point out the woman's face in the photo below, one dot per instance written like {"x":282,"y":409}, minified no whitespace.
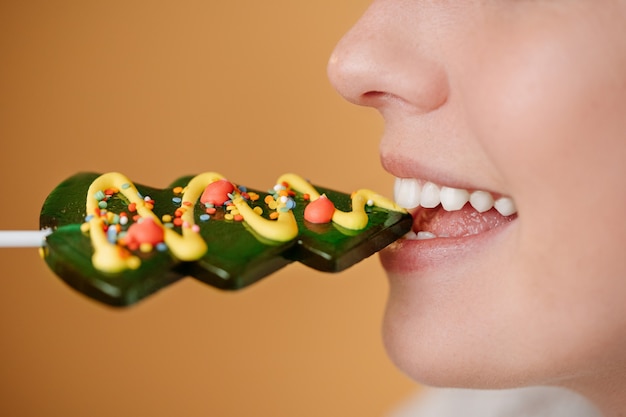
{"x":526,"y":100}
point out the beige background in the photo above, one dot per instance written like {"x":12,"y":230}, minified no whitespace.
{"x":157,"y":90}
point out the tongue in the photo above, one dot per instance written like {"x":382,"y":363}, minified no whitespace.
{"x":464,"y":222}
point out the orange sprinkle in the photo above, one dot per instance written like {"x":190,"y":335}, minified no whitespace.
{"x":274,"y":215}
{"x":136,"y":217}
{"x":306,"y":197}
{"x":149,"y":206}
{"x":268,"y":199}
{"x":177,"y":190}
{"x":179,"y":212}
{"x":238,"y":217}
{"x":178,"y":221}
{"x":211,"y":210}
{"x":132,"y":207}
{"x":187,"y":203}
{"x":283,"y":193}
{"x":253,"y":196}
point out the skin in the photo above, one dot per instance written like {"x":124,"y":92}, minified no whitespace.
{"x":524,"y":98}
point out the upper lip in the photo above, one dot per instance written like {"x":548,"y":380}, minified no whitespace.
{"x":402,"y":166}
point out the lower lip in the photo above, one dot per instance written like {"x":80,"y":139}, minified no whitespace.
{"x":407,"y":256}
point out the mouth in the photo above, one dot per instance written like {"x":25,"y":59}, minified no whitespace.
{"x":442,"y":212}
{"x":449,"y":224}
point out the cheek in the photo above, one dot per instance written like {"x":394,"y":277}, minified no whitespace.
{"x":551,"y":118}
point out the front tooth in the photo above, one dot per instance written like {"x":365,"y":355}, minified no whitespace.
{"x":431,"y":196}
{"x":425,"y":235}
{"x":505,"y":206}
{"x":453,"y":199}
{"x":482,"y":201}
{"x":407,"y":192}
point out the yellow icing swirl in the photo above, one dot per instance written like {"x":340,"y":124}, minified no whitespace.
{"x":283,"y":229}
{"x":356,"y":219}
{"x":110,"y":257}
{"x":190,"y":246}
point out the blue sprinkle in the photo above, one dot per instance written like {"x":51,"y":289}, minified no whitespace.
{"x":111,"y":234}
{"x":204,"y":217}
{"x":291,"y":204}
{"x":161,"y":247}
{"x":88,"y":218}
{"x":177,"y":200}
{"x":243,"y":189}
{"x":125,"y":186}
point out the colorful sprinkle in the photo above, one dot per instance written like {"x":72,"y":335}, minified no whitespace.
{"x":205,"y":217}
{"x":99,"y":195}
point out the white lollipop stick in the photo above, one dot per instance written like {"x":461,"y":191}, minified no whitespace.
{"x":23,"y":238}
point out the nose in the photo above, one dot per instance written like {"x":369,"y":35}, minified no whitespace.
{"x":385,"y":58}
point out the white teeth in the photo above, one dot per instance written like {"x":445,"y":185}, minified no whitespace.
{"x":407,"y":192}
{"x":411,"y":193}
{"x":453,"y":199}
{"x":482,"y":201}
{"x":431,"y":195}
{"x":505,"y":206}
{"x":425,"y":235}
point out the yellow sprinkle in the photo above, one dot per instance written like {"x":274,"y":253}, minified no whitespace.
{"x":272,"y":205}
{"x":134,"y":262}
{"x":166,"y":218}
{"x":228,"y":216}
{"x":258,"y":210}
{"x":145,"y":247}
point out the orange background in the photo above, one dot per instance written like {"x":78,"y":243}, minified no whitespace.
{"x":157,"y":90}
